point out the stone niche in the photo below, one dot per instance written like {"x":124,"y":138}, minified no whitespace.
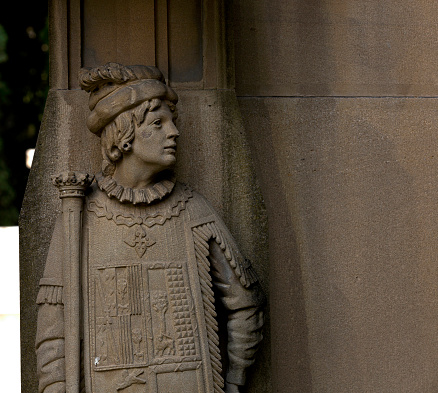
{"x":192,"y":46}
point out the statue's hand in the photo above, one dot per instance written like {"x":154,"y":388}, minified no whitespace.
{"x":231,"y":388}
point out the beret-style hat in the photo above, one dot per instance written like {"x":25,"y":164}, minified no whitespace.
{"x":115,"y":88}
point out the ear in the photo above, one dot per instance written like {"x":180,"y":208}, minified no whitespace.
{"x":115,"y":154}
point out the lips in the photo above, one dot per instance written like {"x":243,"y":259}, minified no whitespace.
{"x":170,"y":148}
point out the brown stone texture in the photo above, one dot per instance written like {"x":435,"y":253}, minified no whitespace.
{"x":64,"y":144}
{"x":333,"y":47}
{"x":350,"y":197}
{"x":338,"y":118}
{"x":213,"y":155}
{"x":338,"y":102}
{"x":118,"y":31}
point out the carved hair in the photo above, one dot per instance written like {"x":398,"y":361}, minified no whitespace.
{"x":120,"y":97}
{"x":114,"y":73}
{"x":117,"y":136}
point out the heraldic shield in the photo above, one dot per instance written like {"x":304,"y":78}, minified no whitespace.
{"x":145,"y":337}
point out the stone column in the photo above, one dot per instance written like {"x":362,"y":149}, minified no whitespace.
{"x":72,"y":187}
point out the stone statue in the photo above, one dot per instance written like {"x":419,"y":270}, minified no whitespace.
{"x":127,"y":301}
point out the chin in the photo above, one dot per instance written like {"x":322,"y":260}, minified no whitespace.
{"x":170,"y":161}
{"x":167,"y":165}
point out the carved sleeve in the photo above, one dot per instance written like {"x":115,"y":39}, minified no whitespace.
{"x":240,"y":293}
{"x":50,"y":329}
{"x":245,"y":318}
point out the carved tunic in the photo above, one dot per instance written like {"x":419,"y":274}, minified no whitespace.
{"x":148,"y":275}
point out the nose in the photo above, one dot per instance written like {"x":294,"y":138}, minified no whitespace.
{"x":171,"y":131}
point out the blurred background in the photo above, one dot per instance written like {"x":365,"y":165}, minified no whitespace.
{"x":23,"y":90}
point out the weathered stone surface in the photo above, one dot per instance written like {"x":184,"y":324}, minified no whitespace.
{"x":79,"y":36}
{"x":135,"y":264}
{"x":236,"y":195}
{"x":118,"y":31}
{"x":324,"y":48}
{"x":350,"y":189}
{"x":349,"y":183}
{"x":65,"y":144}
{"x":63,"y":139}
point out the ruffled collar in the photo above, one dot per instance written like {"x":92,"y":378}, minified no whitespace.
{"x":141,"y":214}
{"x":153,"y":192}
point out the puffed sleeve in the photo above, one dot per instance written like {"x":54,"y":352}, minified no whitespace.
{"x":49,"y":341}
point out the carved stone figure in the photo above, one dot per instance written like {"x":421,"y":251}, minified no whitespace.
{"x":127,"y":301}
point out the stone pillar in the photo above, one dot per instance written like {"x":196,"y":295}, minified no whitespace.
{"x":339,"y":104}
{"x":188,"y":41}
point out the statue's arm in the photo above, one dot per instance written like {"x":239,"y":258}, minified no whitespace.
{"x":50,"y":349}
{"x":245,"y":316}
{"x":49,"y":341}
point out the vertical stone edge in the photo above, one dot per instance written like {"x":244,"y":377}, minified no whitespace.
{"x":58,"y":57}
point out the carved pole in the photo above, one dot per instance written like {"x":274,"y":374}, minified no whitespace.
{"x":72,"y":186}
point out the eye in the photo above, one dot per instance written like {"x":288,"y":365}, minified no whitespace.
{"x":157,"y":122}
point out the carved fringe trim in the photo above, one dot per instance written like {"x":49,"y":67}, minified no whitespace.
{"x":242,"y":268}
{"x":201,"y":237}
{"x":50,"y":294}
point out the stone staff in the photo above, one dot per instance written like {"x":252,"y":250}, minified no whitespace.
{"x":72,"y":187}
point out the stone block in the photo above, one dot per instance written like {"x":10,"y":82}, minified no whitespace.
{"x":324,"y":48}
{"x":350,"y":190}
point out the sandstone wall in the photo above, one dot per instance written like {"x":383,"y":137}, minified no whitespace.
{"x":311,"y":125}
{"x":339,"y":105}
